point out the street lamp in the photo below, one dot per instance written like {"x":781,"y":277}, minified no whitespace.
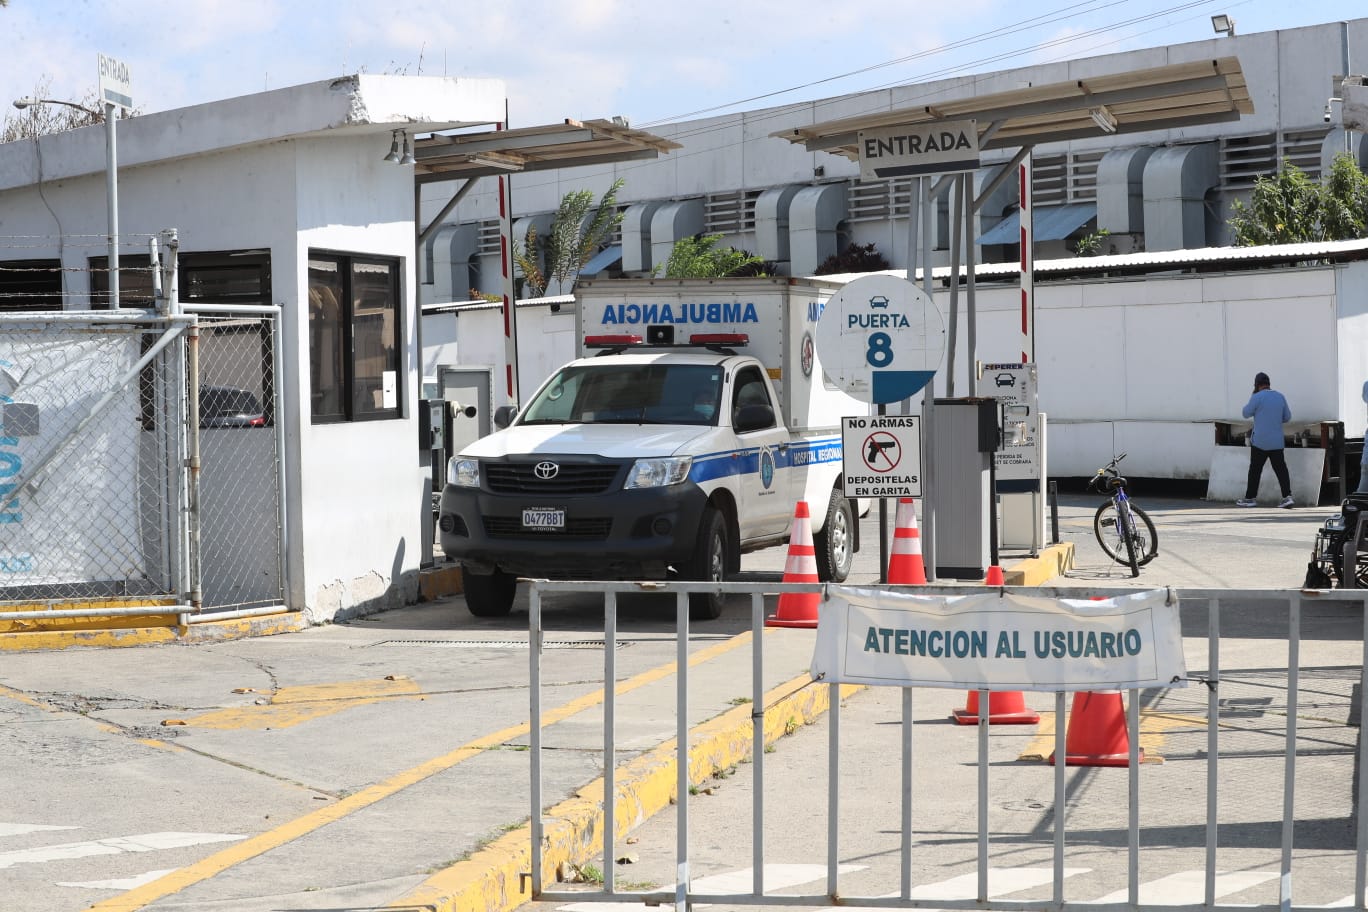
{"x":29,"y":101}
{"x":111,"y":181}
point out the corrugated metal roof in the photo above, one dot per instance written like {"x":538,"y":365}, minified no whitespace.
{"x":1157,"y":260}
{"x":458,"y":156}
{"x":1137,"y":101}
{"x":1048,"y":223}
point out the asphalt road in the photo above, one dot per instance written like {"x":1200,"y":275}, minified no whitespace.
{"x":347,"y":766}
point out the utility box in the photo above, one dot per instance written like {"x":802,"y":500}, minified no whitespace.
{"x":963,"y":441}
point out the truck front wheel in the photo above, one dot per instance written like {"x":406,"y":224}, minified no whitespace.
{"x":490,"y":594}
{"x":708,"y":564}
{"x":835,"y":544}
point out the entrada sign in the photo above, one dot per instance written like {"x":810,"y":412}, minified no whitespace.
{"x":930,"y":148}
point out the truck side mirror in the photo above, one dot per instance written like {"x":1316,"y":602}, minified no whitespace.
{"x":752,"y":418}
{"x":503,"y":416}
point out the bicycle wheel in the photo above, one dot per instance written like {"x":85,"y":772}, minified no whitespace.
{"x":1125,"y":521}
{"x":1114,"y":545}
{"x":1146,"y":537}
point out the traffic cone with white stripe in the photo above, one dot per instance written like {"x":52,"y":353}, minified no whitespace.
{"x":798,"y":609}
{"x":1097,"y":734}
{"x":905,"y":562}
{"x":1005,"y":707}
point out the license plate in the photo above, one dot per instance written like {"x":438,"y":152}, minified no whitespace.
{"x":543,"y":518}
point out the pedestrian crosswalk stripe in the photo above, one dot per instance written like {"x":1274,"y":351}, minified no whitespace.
{"x":146,"y":842}
{"x":123,"y":883}
{"x":777,"y":877}
{"x":1189,"y":887}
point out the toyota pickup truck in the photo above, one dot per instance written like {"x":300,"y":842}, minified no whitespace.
{"x":667,"y":451}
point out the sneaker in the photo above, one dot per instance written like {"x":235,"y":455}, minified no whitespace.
{"x":1246,"y":502}
{"x":1287,"y":503}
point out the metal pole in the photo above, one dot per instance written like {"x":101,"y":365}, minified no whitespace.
{"x":682,"y":873}
{"x":929,"y":394}
{"x":112,"y":192}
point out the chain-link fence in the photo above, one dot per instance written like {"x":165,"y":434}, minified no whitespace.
{"x":104,"y":413}
{"x":239,"y":491}
{"x":90,"y":478}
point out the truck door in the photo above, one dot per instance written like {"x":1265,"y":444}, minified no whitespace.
{"x":765,"y":499}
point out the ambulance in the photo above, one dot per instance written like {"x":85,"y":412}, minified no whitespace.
{"x":694,"y":420}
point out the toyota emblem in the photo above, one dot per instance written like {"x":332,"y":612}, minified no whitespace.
{"x":546,"y":470}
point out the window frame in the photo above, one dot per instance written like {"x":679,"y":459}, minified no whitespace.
{"x":345,"y":262}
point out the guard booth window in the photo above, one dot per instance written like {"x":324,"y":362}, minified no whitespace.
{"x":30,"y":285}
{"x":353,"y":338}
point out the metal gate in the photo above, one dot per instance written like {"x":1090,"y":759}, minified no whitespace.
{"x":1277,"y":735}
{"x":140,"y":469}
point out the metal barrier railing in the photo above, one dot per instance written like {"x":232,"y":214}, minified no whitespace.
{"x":1334,"y":735}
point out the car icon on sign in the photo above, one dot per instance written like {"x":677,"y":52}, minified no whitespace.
{"x":879,"y":301}
{"x":1004,"y":380}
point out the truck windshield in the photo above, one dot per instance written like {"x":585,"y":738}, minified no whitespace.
{"x":628,"y":394}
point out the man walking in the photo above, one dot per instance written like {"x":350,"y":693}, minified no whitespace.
{"x":1269,"y":410}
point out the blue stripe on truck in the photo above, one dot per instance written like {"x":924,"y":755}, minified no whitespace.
{"x":712,"y":466}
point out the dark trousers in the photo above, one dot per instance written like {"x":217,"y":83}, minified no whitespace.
{"x":1257,"y":458}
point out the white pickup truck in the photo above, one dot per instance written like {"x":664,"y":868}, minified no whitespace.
{"x":654,"y":458}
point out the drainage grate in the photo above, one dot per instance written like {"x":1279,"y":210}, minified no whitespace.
{"x":500,"y":644}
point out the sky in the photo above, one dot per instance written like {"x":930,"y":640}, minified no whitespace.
{"x":649,"y":61}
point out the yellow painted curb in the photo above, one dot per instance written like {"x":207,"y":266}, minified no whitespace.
{"x":206,"y":632}
{"x":439,"y":582}
{"x":493,"y":879}
{"x":1053,"y":561}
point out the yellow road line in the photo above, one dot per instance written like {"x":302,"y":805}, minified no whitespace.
{"x":1154,"y":726}
{"x":290,"y":706}
{"x":492,"y":880}
{"x":180,"y":879}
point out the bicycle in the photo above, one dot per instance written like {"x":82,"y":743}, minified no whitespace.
{"x":1124,"y":540}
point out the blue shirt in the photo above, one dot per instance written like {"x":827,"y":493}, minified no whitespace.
{"x":1269,"y":410}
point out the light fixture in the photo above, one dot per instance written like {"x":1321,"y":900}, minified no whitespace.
{"x":1222,"y":24}
{"x":29,"y":102}
{"x":1105,"y":119}
{"x":393,"y":155}
{"x":408,"y":158}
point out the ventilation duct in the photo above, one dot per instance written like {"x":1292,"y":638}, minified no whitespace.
{"x":454,"y":270}
{"x":772,"y":223}
{"x":636,"y":236}
{"x":672,"y":222}
{"x":1121,"y":190}
{"x":1177,"y":180}
{"x":815,"y":215}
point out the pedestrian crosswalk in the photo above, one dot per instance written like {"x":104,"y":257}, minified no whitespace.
{"x":1176,"y":889}
{"x":40,"y":854}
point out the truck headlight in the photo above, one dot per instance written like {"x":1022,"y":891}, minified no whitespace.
{"x":464,"y":473}
{"x":658,"y":473}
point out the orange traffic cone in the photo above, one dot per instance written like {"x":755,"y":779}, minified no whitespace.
{"x":1005,"y":707}
{"x":905,"y":562}
{"x":798,"y":609}
{"x":1097,"y":731}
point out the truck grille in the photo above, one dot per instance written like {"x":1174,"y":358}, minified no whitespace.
{"x":586,"y":528}
{"x":573,"y":478}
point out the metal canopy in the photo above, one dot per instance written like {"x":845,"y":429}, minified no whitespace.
{"x":442,"y":157}
{"x":1167,"y":97}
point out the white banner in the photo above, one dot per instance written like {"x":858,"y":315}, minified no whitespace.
{"x":76,"y":521}
{"x":998,"y":641}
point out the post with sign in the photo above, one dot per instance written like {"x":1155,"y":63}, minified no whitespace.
{"x":881,"y":339}
{"x":1020,"y":462}
{"x":116,"y":95}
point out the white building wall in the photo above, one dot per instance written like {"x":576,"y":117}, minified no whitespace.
{"x":359,"y":498}
{"x":1149,"y":366}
